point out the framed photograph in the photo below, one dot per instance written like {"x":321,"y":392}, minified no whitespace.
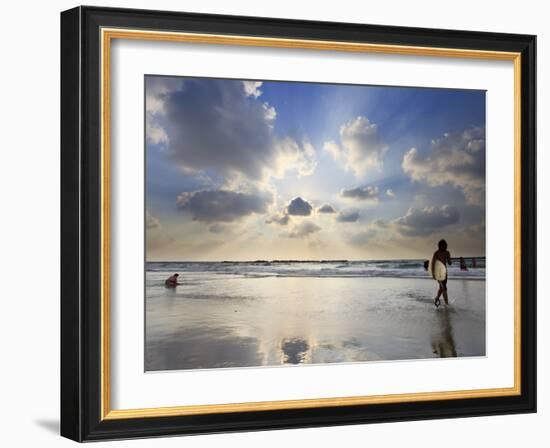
{"x":276,"y":224}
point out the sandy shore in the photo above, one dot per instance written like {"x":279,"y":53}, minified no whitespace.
{"x":232,"y":321}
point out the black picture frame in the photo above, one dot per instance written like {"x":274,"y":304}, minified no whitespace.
{"x":81,"y":224}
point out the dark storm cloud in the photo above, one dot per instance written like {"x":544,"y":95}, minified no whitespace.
{"x":222,"y":205}
{"x":367,"y":193}
{"x":348,"y":216}
{"x":418,"y":222}
{"x":299,"y":207}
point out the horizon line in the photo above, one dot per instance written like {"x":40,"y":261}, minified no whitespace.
{"x":304,"y":260}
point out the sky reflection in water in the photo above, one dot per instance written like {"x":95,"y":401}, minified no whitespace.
{"x":216,"y":321}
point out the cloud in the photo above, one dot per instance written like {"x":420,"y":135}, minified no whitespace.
{"x":280,"y":218}
{"x":326,"y":208}
{"x":381,"y":223}
{"x":348,"y":216}
{"x":151,"y":222}
{"x":333,"y":149}
{"x":302,"y":230}
{"x":223,"y":127}
{"x":222,"y":205}
{"x":299,"y":207}
{"x":270,"y":113}
{"x":427,"y":220}
{"x":155,"y":134}
{"x":217,"y":228}
{"x":390,"y":193}
{"x":360,"y":148}
{"x":367,"y":193}
{"x":292,"y":155}
{"x":157,"y":89}
{"x":456,"y":159}
{"x":296,"y":207}
{"x":252,"y":88}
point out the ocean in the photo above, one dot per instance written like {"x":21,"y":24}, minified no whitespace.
{"x":289,"y":313}
{"x":323,"y":268}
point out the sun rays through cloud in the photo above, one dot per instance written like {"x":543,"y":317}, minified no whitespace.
{"x":261,"y":169}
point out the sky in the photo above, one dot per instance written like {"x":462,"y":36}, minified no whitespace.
{"x":263,"y":170}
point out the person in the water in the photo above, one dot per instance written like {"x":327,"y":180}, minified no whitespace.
{"x":172,"y":281}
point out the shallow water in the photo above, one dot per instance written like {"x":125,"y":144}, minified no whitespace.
{"x":223,"y":320}
{"x":326,"y":268}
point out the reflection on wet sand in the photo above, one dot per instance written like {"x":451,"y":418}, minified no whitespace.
{"x":201,"y":348}
{"x":244,"y":322}
{"x":443,"y":342}
{"x":295,"y":351}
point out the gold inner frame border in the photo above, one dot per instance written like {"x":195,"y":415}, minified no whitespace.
{"x":107,"y":35}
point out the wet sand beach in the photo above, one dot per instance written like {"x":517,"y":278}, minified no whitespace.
{"x":215,"y":321}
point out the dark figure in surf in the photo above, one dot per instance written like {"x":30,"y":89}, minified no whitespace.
{"x":172,"y":281}
{"x":444,"y":256}
{"x":463,"y":266}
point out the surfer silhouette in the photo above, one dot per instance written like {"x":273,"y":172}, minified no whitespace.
{"x":438,"y":269}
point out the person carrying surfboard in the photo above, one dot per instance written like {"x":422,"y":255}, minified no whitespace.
{"x":438,"y":269}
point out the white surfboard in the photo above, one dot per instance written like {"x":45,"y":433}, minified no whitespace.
{"x":440,"y":270}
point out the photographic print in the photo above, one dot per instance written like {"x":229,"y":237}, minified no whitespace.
{"x":296,"y":223}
